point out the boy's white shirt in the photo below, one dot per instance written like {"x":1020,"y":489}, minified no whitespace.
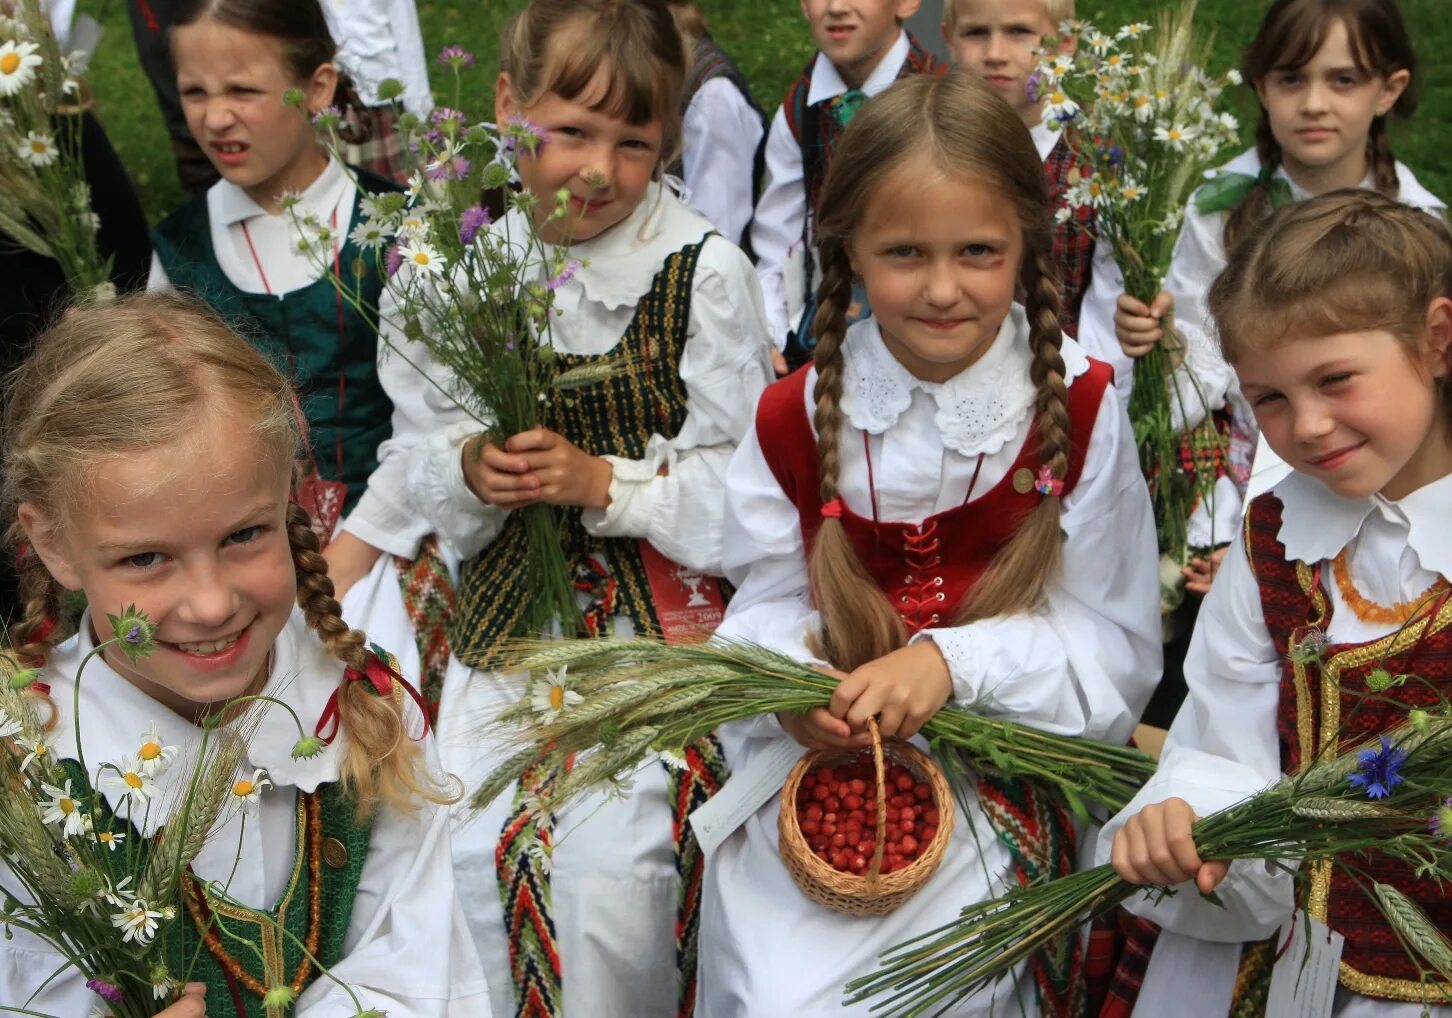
{"x":402,"y":954}
{"x":720,"y":134}
{"x":1224,"y":746}
{"x":380,"y":39}
{"x":672,"y":496}
{"x":776,"y":227}
{"x":1045,"y":138}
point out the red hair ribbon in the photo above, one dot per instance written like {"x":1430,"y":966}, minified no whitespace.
{"x":44,"y":629}
{"x":832,"y":509}
{"x":1046,"y":483}
{"x":40,"y":688}
{"x":379,"y":674}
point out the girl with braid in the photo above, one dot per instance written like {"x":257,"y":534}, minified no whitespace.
{"x":149,"y":453}
{"x":945,"y":506}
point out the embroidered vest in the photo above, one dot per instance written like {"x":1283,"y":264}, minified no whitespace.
{"x":616,"y":416}
{"x":313,"y":336}
{"x":314,"y":909}
{"x":1325,"y":701}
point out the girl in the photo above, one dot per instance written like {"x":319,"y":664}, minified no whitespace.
{"x":1337,"y":315}
{"x":722,"y":130}
{"x":1328,"y":73}
{"x":148,"y":457}
{"x":954,"y":418}
{"x":235,"y":245}
{"x":591,"y":898}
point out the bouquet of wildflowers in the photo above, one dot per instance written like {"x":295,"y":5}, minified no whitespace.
{"x":1146,"y":123}
{"x":45,"y":202}
{"x":1390,"y":796}
{"x":612,"y":702}
{"x":478,"y":300}
{"x":94,"y":889}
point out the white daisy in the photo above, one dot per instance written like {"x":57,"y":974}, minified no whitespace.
{"x":1130,"y":191}
{"x":37,"y":149}
{"x":289,"y":199}
{"x":1234,"y":76}
{"x":1174,"y":135}
{"x":154,"y":755}
{"x":370,"y":234}
{"x":129,"y":778}
{"x":18,"y":62}
{"x":422,"y":257}
{"x":36,"y":750}
{"x":8,"y":725}
{"x":137,"y":921}
{"x":1059,"y":107}
{"x":111,"y":839}
{"x":248,"y":791}
{"x":1133,"y":31}
{"x":118,"y":894}
{"x":550,"y":697}
{"x":1143,"y":106}
{"x":62,"y":809}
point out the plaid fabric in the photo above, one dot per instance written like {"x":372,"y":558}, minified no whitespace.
{"x":383,"y":152}
{"x":1119,"y":951}
{"x":1073,"y":239}
{"x":1205,"y":450}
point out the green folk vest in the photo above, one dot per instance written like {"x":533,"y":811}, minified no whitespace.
{"x":615,"y":417}
{"x":315,"y":338}
{"x":315,"y":907}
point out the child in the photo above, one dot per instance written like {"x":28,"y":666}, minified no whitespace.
{"x":236,"y":246}
{"x":1337,"y":315}
{"x":999,"y":40}
{"x":148,"y":457}
{"x":861,"y":49}
{"x":598,"y":902}
{"x":722,"y":130}
{"x":953,"y":418}
{"x":1328,"y":73}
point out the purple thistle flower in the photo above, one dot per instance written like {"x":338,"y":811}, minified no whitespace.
{"x":1441,"y":822}
{"x":1379,"y":767}
{"x":108,"y":991}
{"x":451,"y":166}
{"x":1035,"y":80}
{"x":518,"y":128}
{"x":442,"y":113}
{"x":456,"y":57}
{"x":471,"y":221}
{"x":433,"y":137}
{"x":566,"y":274}
{"x":327,"y":113}
{"x":392,"y":260}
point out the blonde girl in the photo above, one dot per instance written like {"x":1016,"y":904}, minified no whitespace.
{"x":946,"y":506}
{"x":149,"y":453}
{"x":593,"y":911}
{"x":1337,"y":315}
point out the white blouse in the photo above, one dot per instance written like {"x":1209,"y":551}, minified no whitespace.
{"x":776,"y":228}
{"x":720,"y":134}
{"x":671,"y":496}
{"x":407,"y":948}
{"x":1223,"y":744}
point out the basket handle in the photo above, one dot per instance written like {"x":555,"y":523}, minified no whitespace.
{"x":879,"y":767}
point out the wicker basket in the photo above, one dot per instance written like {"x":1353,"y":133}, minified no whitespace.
{"x":874,"y":893}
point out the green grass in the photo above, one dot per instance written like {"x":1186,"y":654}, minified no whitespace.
{"x":769,"y":40}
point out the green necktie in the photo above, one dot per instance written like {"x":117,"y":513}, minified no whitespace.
{"x":845,"y":106}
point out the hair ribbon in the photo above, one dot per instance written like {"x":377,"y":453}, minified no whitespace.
{"x":379,"y":674}
{"x":832,"y":510}
{"x":1046,"y":483}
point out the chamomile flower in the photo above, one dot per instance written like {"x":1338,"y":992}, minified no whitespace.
{"x":1058,"y":106}
{"x":1133,"y":31}
{"x":154,"y":755}
{"x":111,"y":839}
{"x":38,"y":148}
{"x":18,"y":61}
{"x":1234,"y":76}
{"x":137,"y":921}
{"x":422,"y":257}
{"x":248,"y":791}
{"x":8,"y":725}
{"x":1143,"y":106}
{"x":39,"y":749}
{"x":370,"y":234}
{"x":551,"y":697}
{"x":1130,"y":191}
{"x":1060,"y":64}
{"x":1174,"y":135}
{"x":1099,"y":42}
{"x":128,"y":778}
{"x":62,"y":809}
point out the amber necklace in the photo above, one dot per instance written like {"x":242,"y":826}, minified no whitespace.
{"x":1369,"y":611}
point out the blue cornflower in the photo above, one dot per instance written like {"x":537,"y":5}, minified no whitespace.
{"x":1379,"y":767}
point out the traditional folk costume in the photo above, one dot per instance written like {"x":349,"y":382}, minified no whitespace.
{"x":373,"y":899}
{"x":1074,"y":236}
{"x":1205,"y":382}
{"x":723,"y":132}
{"x":932,"y":479}
{"x":242,"y":260}
{"x":1308,"y":565}
{"x":593,"y":911}
{"x":799,"y":147}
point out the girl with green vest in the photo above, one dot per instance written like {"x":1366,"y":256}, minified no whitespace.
{"x":149,"y":453}
{"x":236,"y":247}
{"x":593,"y":911}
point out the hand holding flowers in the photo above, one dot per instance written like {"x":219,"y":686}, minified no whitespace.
{"x":539,"y":465}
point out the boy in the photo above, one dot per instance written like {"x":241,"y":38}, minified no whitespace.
{"x":861,"y":49}
{"x":999,"y":40}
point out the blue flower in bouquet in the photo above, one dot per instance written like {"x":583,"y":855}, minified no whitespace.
{"x":471,"y":221}
{"x":1380,"y":768}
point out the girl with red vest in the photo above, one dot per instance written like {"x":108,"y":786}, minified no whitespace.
{"x":1341,"y":570}
{"x":946,"y":505}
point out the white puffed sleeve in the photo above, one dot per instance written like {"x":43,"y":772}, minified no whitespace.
{"x":1087,"y":662}
{"x":720,"y":134}
{"x":673,"y":495}
{"x":780,"y":215}
{"x":1203,"y":381}
{"x":1221,"y":748}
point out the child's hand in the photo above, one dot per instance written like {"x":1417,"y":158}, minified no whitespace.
{"x":902,"y":689}
{"x":1137,"y":325}
{"x":779,"y":364}
{"x":1156,"y":847}
{"x":497,"y":477}
{"x":1200,"y":572}
{"x":349,"y":559}
{"x":818,"y":729}
{"x":191,"y":1004}
{"x":564,"y":474}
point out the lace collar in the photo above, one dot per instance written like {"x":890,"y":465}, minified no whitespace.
{"x":979,"y":409}
{"x":1317,"y":523}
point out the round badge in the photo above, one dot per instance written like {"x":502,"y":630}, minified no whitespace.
{"x":335,"y":853}
{"x":1023,"y":480}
